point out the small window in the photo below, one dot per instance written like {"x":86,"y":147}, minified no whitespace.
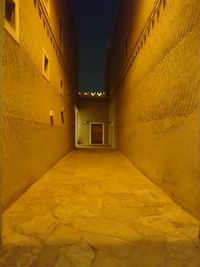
{"x":61,"y":87}
{"x":126,"y":47}
{"x":158,"y":14}
{"x":10,"y":12}
{"x":51,"y":117}
{"x":12,"y":18}
{"x":62,"y":117}
{"x":164,"y":4}
{"x":46,"y":66}
{"x":61,"y":31}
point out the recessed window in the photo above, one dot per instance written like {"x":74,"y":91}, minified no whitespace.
{"x":164,"y":4}
{"x":12,"y":17}
{"x":126,"y":46}
{"x":158,"y":14}
{"x":51,"y":116}
{"x":10,"y":12}
{"x":61,"y":31}
{"x":46,"y":65}
{"x":61,"y":87}
{"x":62,"y":117}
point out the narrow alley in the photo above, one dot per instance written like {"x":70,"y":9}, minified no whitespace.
{"x":100,"y":133}
{"x":95,"y":209}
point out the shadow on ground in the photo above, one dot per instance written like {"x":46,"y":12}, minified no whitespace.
{"x":100,"y":252}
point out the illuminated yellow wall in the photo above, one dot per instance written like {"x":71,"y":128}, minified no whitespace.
{"x":31,"y":145}
{"x":158,"y":99}
{"x":2,"y":84}
{"x":92,"y":110}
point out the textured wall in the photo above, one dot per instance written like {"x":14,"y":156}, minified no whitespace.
{"x":158,"y":100}
{"x":31,"y":145}
{"x":92,"y":110}
{"x":1,"y":85}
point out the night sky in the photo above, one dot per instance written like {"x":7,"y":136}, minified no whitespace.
{"x":94,"y":20}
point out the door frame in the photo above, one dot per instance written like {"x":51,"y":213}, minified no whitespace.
{"x":90,"y":134}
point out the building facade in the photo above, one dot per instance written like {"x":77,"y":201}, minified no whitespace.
{"x":92,"y":120}
{"x":40,"y":61}
{"x":153,"y":66}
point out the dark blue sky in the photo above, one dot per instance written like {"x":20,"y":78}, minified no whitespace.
{"x":94,"y":19}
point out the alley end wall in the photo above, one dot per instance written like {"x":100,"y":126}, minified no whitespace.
{"x":154,"y":80}
{"x":92,"y":110}
{"x":40,"y":83}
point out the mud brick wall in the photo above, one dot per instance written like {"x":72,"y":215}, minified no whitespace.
{"x":157,"y":94}
{"x":31,"y":144}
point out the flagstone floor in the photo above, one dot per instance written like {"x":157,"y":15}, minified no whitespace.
{"x":95,"y":209}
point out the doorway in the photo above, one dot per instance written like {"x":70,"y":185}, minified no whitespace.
{"x":97,"y":133}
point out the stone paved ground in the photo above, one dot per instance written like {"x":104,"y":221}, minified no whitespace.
{"x":94,"y":209}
